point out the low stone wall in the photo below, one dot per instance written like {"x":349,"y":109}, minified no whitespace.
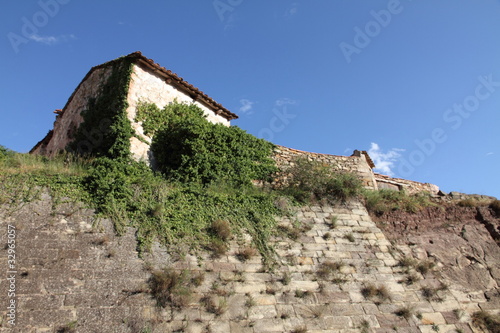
{"x":409,"y":186}
{"x":356,"y":163}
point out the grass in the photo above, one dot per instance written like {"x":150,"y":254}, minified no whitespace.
{"x":217,"y":306}
{"x":350,"y":237}
{"x":333,"y":222}
{"x":378,"y":294}
{"x":425,"y":266}
{"x":303,"y":293}
{"x":411,"y":279}
{"x":405,"y":312}
{"x":249,"y":302}
{"x":432,"y":294}
{"x":486,"y":321}
{"x":407,"y":262}
{"x":328,"y":269}
{"x":384,"y":200}
{"x":286,"y":279}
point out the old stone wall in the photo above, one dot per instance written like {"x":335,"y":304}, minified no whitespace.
{"x":285,"y":158}
{"x":340,"y":274}
{"x":409,"y":186}
{"x":147,"y":87}
{"x":66,"y":124}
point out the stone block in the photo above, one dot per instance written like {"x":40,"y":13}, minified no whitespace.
{"x":268,"y":325}
{"x":262,"y":311}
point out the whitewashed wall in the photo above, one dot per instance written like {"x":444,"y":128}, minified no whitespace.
{"x":145,"y":86}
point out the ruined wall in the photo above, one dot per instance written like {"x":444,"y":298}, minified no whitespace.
{"x":145,"y":86}
{"x":285,"y":157}
{"x":409,"y":186}
{"x":66,"y":124}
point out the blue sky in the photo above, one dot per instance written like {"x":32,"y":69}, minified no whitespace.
{"x":414,"y":82}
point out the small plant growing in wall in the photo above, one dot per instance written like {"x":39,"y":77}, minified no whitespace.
{"x":170,"y":287}
{"x":377,"y":294}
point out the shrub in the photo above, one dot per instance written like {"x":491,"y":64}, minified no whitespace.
{"x":222,"y":229}
{"x":189,"y":148}
{"x":246,"y":253}
{"x":384,"y":200}
{"x":311,"y":180}
{"x":487,"y":321}
{"x":170,"y":287}
{"x":495,"y":206}
{"x":469,"y":202}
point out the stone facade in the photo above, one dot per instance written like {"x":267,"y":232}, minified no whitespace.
{"x":69,"y":118}
{"x":149,"y":83}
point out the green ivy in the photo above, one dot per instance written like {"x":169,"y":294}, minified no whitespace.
{"x":106,"y":130}
{"x":188,"y":148}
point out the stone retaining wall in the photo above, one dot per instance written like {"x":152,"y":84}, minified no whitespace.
{"x":69,"y":271}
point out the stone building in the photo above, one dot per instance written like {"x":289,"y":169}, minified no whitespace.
{"x":151,"y":83}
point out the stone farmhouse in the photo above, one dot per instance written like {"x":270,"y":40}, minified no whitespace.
{"x":151,"y":83}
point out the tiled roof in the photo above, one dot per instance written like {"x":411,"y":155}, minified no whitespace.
{"x":178,"y":82}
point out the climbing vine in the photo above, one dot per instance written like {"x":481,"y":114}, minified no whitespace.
{"x":106,"y":130}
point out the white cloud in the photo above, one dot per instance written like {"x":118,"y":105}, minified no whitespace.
{"x":285,"y":101}
{"x":51,"y":40}
{"x":490,"y":153}
{"x":246,"y":106}
{"x":292,"y":10}
{"x":384,"y":161}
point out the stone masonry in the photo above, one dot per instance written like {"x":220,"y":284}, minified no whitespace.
{"x":73,"y":270}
